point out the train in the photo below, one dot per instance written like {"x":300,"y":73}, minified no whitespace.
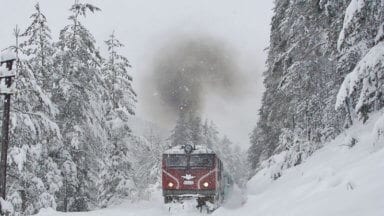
{"x":194,"y":172}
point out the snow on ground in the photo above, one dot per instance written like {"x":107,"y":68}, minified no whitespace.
{"x":337,"y":180}
{"x":153,"y":207}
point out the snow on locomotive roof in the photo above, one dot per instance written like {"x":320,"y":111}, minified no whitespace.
{"x":199,"y":149}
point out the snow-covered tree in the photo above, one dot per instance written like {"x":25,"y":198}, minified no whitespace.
{"x":321,"y":53}
{"x":117,"y":77}
{"x":368,"y":79}
{"x":36,"y":145}
{"x":79,"y":92}
{"x":72,"y":148}
{"x":181,"y":133}
{"x":195,"y":129}
{"x":210,"y":134}
{"x":40,"y":48}
{"x":302,"y":79}
{"x":118,"y":172}
{"x":360,"y":40}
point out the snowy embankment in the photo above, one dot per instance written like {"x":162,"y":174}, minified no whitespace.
{"x":336,"y":180}
{"x":342,"y":178}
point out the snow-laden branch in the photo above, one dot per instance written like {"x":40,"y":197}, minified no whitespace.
{"x":365,"y":72}
{"x":353,"y":8}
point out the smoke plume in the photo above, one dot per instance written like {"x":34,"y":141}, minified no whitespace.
{"x":187,"y":70}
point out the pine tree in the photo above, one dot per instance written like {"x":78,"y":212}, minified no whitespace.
{"x":118,"y":172}
{"x":196,"y":130}
{"x":301,"y":80}
{"x":117,"y":77}
{"x":36,"y":144}
{"x":181,"y":133}
{"x":80,"y":94}
{"x":360,"y":46}
{"x":39,"y":46}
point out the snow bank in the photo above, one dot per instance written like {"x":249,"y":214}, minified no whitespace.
{"x":379,"y":133}
{"x":6,"y":207}
{"x":143,"y":208}
{"x":337,"y":180}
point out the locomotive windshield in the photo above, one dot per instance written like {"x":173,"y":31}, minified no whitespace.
{"x":201,"y":161}
{"x":193,"y":161}
{"x":176,"y":160}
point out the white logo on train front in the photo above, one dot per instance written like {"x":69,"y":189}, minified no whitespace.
{"x":188,"y":177}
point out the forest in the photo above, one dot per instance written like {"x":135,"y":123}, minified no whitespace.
{"x":74,"y":139}
{"x":72,"y":147}
{"x":325,"y":73}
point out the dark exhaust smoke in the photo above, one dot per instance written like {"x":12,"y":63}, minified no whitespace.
{"x":187,"y":70}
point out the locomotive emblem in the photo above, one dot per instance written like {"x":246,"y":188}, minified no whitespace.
{"x":188,"y":177}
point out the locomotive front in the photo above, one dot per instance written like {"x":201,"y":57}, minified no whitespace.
{"x":191,"y":172}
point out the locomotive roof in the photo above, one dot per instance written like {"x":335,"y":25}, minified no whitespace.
{"x":199,"y":149}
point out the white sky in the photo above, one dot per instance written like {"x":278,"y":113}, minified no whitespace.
{"x":144,"y":25}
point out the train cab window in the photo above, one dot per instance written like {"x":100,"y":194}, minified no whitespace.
{"x":176,"y":160}
{"x":201,"y":161}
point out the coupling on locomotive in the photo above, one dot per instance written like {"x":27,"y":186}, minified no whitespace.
{"x":193,"y":171}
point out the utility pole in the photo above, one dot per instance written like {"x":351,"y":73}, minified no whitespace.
{"x":6,"y":75}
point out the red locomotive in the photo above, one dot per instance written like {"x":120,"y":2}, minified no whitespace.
{"x":193,"y":171}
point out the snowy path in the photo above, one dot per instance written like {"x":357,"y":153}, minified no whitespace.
{"x":335,"y":181}
{"x":144,"y":208}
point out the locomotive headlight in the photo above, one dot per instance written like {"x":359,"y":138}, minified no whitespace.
{"x":205,"y":184}
{"x":170,"y":184}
